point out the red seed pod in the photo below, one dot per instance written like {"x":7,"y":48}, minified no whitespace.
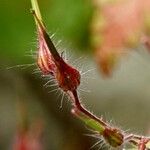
{"x":68,"y":77}
{"x":50,"y":62}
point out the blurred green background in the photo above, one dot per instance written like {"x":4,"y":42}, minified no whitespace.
{"x":124,"y":98}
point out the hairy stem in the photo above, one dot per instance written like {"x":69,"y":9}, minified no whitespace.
{"x":80,"y":107}
{"x":112,"y":135}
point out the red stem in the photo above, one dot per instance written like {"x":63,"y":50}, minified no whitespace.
{"x":80,"y":107}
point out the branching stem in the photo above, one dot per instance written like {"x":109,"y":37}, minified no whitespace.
{"x":66,"y":74}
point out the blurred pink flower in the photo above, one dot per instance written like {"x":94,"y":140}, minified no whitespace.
{"x":118,"y":25}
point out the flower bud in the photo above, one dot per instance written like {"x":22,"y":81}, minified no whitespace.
{"x":113,"y":136}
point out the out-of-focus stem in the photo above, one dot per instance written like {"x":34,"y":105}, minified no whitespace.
{"x":35,"y":7}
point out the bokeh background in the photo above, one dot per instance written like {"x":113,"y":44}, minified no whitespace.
{"x":27,"y":106}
